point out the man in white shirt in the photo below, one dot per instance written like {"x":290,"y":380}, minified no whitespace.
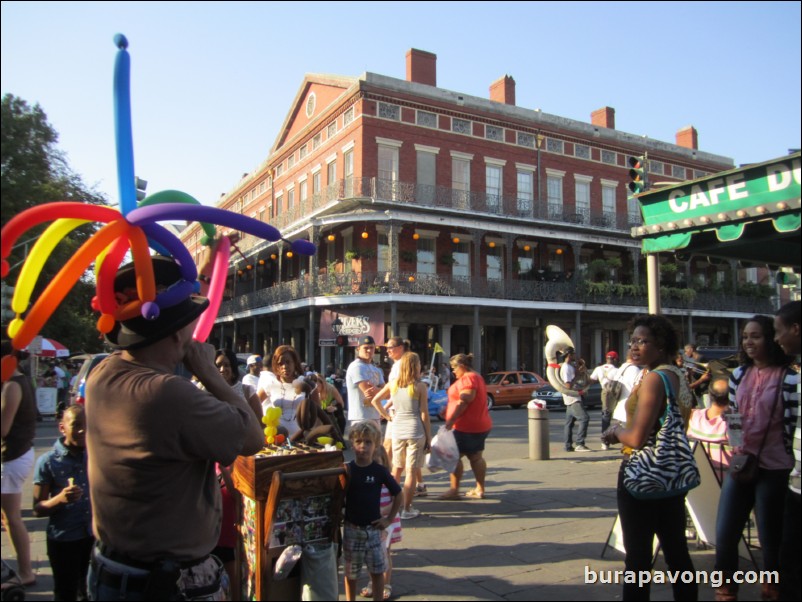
{"x":363,"y":380}
{"x":255,"y":366}
{"x":574,"y":412}
{"x":603,"y":375}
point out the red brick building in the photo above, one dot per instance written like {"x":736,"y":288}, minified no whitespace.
{"x":464,"y":221}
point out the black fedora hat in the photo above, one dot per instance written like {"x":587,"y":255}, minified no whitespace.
{"x":141,"y":332}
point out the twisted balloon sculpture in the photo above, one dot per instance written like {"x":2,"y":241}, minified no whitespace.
{"x":133,"y":228}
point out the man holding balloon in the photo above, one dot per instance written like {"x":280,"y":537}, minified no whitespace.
{"x":152,"y":440}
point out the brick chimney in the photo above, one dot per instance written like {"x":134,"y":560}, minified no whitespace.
{"x":688,"y":137}
{"x":503,"y":90}
{"x":421,"y":67}
{"x":604,"y":117}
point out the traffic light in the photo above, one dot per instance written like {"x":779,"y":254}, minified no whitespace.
{"x":638,"y":173}
{"x":141,"y":186}
{"x":342,"y":340}
{"x":6,"y":293}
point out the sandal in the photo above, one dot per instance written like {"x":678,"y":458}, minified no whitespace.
{"x":477,"y":495}
{"x":367,"y":591}
{"x":421,"y":491}
{"x":449,"y":495}
{"x":388,"y":592}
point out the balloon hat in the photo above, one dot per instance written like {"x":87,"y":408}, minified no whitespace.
{"x":133,"y":228}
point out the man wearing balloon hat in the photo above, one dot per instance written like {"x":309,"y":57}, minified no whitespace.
{"x":152,"y":441}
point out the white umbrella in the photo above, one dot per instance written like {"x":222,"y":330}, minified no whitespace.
{"x":47,"y":348}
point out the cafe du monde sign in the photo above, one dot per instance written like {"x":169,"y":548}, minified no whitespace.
{"x":725,"y":202}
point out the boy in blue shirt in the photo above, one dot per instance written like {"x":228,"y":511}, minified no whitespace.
{"x":61,"y":491}
{"x":364,"y":522}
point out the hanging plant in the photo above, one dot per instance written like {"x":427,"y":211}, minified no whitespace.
{"x":447,"y":259}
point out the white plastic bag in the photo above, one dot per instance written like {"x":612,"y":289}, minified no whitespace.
{"x":444,"y":454}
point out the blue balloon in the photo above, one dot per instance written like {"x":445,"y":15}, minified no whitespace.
{"x":122,"y":127}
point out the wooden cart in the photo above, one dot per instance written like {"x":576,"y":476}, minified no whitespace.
{"x":287,"y":499}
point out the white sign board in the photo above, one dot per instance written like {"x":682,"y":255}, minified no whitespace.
{"x":46,"y":400}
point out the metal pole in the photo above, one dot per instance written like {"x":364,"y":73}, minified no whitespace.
{"x":653,"y":282}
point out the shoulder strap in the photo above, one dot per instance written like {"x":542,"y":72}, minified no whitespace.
{"x":670,"y":397}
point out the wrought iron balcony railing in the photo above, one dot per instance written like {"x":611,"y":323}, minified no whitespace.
{"x":414,"y":284}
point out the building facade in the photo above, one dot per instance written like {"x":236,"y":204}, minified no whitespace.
{"x":463,"y":221}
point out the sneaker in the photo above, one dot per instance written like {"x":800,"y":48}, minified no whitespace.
{"x":409,"y":514}
{"x":605,"y":447}
{"x":582,"y":448}
{"x":421,"y":491}
{"x":569,"y":449}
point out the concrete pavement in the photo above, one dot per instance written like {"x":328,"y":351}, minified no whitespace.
{"x":541,"y":524}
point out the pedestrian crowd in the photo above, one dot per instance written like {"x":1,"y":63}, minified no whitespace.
{"x":138,"y":488}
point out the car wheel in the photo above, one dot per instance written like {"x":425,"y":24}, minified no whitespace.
{"x":490,"y":401}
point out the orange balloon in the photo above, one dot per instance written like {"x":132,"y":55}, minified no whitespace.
{"x":7,"y":366}
{"x":58,"y":288}
{"x":145,"y":279}
{"x":107,"y":302}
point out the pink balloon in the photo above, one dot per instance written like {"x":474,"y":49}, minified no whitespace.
{"x":218,"y":282}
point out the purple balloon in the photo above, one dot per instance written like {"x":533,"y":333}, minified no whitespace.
{"x":303,"y":247}
{"x":202,"y":213}
{"x":189,"y":271}
{"x":175,"y":294}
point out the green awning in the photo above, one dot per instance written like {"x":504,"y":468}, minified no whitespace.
{"x":751,"y":213}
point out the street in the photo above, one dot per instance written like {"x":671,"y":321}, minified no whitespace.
{"x":542,"y":525}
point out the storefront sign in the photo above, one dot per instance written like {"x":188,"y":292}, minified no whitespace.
{"x":352,"y":324}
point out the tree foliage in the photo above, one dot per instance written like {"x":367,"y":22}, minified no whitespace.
{"x":34,"y":171}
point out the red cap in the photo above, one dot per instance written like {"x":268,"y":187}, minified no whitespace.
{"x":612,"y":354}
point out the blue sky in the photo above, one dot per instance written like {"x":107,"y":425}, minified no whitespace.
{"x":212,"y":82}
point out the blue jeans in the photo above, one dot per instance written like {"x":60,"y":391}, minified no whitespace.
{"x":575,"y":413}
{"x":767,"y":497}
{"x":641,"y":520}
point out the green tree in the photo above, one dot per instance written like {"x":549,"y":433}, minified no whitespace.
{"x":34,"y":171}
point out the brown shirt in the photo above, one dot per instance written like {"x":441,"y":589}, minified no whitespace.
{"x":152,"y":441}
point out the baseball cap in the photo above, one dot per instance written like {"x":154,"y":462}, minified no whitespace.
{"x":612,"y":354}
{"x":366,"y":340}
{"x":141,"y":332}
{"x":253,"y":359}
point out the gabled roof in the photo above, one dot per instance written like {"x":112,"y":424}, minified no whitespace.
{"x":328,"y":90}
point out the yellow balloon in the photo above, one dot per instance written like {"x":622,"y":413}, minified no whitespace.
{"x":270,"y":440}
{"x":36,"y":260}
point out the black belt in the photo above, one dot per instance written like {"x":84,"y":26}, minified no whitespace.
{"x":133,"y":583}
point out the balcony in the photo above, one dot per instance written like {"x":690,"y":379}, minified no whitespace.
{"x":408,"y":285}
{"x":441,"y":197}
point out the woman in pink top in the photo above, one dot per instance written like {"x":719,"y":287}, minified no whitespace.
{"x":468,"y":416}
{"x":762,"y":390}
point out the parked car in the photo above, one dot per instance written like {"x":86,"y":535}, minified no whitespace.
{"x":78,"y":389}
{"x":554,"y":399}
{"x":513,"y":388}
{"x":438,"y":400}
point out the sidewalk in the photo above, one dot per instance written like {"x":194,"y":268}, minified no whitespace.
{"x":541,"y":524}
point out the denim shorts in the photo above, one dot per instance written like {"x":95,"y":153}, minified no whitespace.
{"x":363,"y":545}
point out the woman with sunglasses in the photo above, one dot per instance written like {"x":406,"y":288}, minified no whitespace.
{"x":653,"y":345}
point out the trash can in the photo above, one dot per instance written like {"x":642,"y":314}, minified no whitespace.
{"x":538,"y":430}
